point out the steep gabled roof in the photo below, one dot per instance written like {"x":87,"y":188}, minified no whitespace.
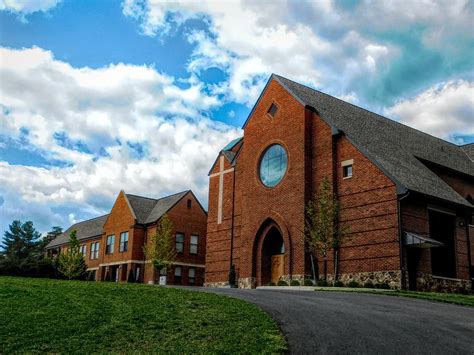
{"x":84,"y":230}
{"x":163,"y":205}
{"x":146,"y":210}
{"x":395,"y":148}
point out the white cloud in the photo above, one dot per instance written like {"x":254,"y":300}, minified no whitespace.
{"x":445,"y":110}
{"x":28,"y":6}
{"x":249,"y":40}
{"x":101,"y":107}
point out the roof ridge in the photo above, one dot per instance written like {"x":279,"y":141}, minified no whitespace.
{"x":148,"y":198}
{"x":90,"y":219}
{"x":374,"y":113}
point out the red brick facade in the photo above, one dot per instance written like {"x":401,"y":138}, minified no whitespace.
{"x":188,"y":218}
{"x":242,"y":210}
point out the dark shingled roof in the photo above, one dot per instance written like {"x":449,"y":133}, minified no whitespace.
{"x":146,"y":210}
{"x":85,"y":229}
{"x":469,"y":150}
{"x":395,"y":148}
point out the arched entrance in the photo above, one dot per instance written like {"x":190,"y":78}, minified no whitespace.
{"x":272,"y":257}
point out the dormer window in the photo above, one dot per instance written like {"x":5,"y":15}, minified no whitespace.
{"x":347,"y":169}
{"x":272,"y":110}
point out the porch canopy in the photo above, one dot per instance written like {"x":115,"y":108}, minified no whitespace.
{"x":420,"y":241}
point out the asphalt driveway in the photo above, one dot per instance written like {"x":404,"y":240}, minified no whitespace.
{"x":339,"y":323}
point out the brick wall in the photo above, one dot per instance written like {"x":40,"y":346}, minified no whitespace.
{"x":368,"y":199}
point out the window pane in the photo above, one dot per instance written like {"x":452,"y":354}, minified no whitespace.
{"x":177,"y":271}
{"x":179,"y":242}
{"x":192,"y":272}
{"x":193,"y":248}
{"x":273,"y":165}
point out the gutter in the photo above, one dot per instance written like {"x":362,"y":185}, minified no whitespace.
{"x":400,"y":237}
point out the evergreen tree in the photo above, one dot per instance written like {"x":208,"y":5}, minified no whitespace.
{"x":50,"y":236}
{"x":161,"y":249}
{"x":21,"y":241}
{"x":71,"y":263}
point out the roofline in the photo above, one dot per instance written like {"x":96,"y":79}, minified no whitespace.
{"x":362,"y":108}
{"x":81,"y":239}
{"x":129,"y":206}
{"x":185,"y":193}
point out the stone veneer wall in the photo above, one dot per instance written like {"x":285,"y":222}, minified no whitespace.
{"x":427,"y":282}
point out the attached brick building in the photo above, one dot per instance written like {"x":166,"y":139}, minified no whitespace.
{"x":405,"y":195}
{"x":113,"y":244}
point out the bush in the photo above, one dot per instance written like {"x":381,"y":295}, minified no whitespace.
{"x":353,"y":284}
{"x":282,"y":283}
{"x":384,"y":285}
{"x":308,"y":282}
{"x":338,"y":283}
{"x":322,"y":283}
{"x":369,"y":285}
{"x":294,"y":283}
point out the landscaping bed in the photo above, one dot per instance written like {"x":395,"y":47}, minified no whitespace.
{"x":43,"y":315}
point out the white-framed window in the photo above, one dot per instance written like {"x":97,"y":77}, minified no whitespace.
{"x":123,"y":242}
{"x":192,"y":275}
{"x":177,"y":274}
{"x":347,"y":169}
{"x":109,"y":247}
{"x":179,"y":242}
{"x":94,"y":254}
{"x":83,"y":249}
{"x":193,"y":247}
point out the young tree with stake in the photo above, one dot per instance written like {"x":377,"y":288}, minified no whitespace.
{"x":161,"y":250}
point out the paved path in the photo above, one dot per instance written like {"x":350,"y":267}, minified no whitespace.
{"x":339,"y":323}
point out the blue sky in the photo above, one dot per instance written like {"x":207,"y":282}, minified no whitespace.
{"x":98,"y":96}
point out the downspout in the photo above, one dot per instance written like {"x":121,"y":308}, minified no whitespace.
{"x":232,"y":223}
{"x":335,"y":194}
{"x":469,"y":257}
{"x":400,"y":237}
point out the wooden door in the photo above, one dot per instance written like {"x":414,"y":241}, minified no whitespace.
{"x":277,"y":267}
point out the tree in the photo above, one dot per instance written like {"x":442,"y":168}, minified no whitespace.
{"x":21,"y":240}
{"x":322,"y":229}
{"x":50,"y":236}
{"x":71,"y":263}
{"x":161,"y":250}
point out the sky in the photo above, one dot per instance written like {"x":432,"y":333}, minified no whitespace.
{"x":102,"y":95}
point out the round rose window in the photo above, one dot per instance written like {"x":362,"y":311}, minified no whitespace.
{"x":273,"y":165}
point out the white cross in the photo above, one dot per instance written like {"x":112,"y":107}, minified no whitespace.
{"x":221,"y":187}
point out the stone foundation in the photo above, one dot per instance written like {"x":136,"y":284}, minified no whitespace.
{"x":221,"y":284}
{"x":289,"y":278}
{"x":247,"y":282}
{"x":427,"y":282}
{"x":392,"y":278}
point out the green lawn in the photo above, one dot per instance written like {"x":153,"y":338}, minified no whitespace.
{"x":455,"y":298}
{"x":42,"y":315}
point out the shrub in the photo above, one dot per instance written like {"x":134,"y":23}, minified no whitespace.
{"x":369,"y":285}
{"x":308,"y":282}
{"x":322,"y":283}
{"x":353,"y":284}
{"x":382,"y":285}
{"x":338,"y":283}
{"x":294,"y":283}
{"x":282,"y":283}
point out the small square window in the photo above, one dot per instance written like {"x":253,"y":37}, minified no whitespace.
{"x":347,"y":171}
{"x":272,"y":110}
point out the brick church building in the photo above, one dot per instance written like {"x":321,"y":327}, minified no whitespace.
{"x":113,"y":244}
{"x":406,"y":196}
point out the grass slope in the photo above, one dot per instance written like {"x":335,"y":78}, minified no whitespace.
{"x":42,"y":315}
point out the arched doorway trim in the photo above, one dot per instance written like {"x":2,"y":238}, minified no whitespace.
{"x":274,"y":220}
